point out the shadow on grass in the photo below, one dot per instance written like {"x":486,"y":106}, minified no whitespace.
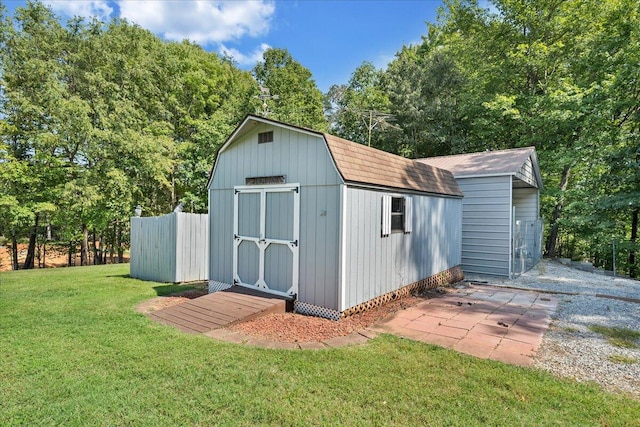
{"x":173,"y":289}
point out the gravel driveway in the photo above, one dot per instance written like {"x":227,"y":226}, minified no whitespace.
{"x":569,"y":347}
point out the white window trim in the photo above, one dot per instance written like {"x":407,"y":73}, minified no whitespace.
{"x":386,"y":214}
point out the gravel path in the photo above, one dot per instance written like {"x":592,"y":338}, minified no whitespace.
{"x":569,"y":347}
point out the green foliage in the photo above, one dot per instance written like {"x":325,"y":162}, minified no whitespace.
{"x":357,"y":110}
{"x":300,"y":101}
{"x":75,"y":352}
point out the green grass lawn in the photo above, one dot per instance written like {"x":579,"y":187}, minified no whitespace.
{"x":74,"y":352}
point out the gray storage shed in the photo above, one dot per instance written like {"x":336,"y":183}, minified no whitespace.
{"x":337,"y":225}
{"x":501,"y":225}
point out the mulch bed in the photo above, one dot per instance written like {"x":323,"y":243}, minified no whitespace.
{"x":292,"y":327}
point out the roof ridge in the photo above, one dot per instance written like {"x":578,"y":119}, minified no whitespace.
{"x":528,"y":148}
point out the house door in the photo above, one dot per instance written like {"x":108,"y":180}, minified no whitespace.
{"x":266,"y":238}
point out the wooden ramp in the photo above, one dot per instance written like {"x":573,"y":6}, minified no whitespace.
{"x":220,"y":309}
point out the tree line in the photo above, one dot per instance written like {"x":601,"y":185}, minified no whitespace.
{"x":96,"y":118}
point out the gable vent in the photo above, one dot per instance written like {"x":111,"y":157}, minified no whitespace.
{"x":264,"y":137}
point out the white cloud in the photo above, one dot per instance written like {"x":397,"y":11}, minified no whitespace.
{"x":242,"y":59}
{"x":200,"y":21}
{"x":86,"y":9}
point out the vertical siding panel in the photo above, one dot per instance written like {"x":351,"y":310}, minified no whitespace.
{"x":315,"y":200}
{"x":525,"y":201}
{"x":377,"y":233}
{"x":379,"y":265}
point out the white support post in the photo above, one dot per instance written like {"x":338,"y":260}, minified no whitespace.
{"x":342,"y":260}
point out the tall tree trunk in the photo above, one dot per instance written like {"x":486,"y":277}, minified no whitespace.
{"x":104,"y":249}
{"x":31,"y":251}
{"x":84,"y":246}
{"x":552,"y":239}
{"x":70,"y":255}
{"x":14,"y":252}
{"x":101,"y":251}
{"x":119,"y":242}
{"x":633,"y":269}
{"x":96,"y":260}
{"x":112,"y":242}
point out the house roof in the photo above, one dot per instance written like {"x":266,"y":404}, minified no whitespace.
{"x":359,"y":164}
{"x":499,"y":162}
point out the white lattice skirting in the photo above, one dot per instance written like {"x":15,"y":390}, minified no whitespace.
{"x":217,"y":286}
{"x":315,"y":310}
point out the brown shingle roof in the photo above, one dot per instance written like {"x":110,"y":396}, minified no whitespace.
{"x":483,"y":163}
{"x":358,"y":163}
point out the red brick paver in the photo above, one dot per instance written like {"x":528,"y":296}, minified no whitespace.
{"x":483,"y":321}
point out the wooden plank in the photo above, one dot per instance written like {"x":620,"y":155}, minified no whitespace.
{"x":235,"y":310}
{"x":170,"y":321}
{"x":223,"y":305}
{"x":213,"y":316}
{"x":244,"y":300}
{"x":251,"y":295}
{"x":209,"y":317}
{"x":186,"y":320}
{"x":240,"y":298}
{"x":207,"y":312}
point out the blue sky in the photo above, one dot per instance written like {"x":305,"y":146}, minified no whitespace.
{"x":331,"y":38}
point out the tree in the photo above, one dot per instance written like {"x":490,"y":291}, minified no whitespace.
{"x":425,"y":88}
{"x":359,"y":110}
{"x":300,"y":101}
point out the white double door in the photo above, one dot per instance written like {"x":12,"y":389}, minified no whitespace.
{"x":266,"y":237}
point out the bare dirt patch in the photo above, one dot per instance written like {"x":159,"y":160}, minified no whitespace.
{"x":54,"y":257}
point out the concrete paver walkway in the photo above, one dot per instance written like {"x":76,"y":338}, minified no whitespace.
{"x":483,"y":321}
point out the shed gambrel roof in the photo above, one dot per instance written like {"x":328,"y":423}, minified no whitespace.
{"x":359,"y":164}
{"x":519,"y":162}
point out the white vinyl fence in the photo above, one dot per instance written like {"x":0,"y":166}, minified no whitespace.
{"x":170,"y":248}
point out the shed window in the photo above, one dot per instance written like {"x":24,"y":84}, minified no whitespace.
{"x":396,"y":215}
{"x":264,"y":137}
